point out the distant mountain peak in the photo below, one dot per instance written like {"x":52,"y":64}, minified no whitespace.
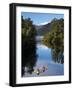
{"x":42,"y":29}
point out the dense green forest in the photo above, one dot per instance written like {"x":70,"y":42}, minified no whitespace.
{"x":28,"y":45}
{"x":55,"y":39}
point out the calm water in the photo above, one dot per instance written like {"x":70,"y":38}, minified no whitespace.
{"x":44,"y":59}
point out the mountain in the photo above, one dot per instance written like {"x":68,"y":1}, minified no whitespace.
{"x":42,"y":29}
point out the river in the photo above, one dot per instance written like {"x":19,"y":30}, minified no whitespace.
{"x":44,"y":59}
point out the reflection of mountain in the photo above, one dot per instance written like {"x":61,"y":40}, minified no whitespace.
{"x":42,"y":29}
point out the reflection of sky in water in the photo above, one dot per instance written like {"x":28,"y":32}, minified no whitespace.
{"x":43,"y":52}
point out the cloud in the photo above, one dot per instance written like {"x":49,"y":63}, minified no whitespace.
{"x":44,"y":23}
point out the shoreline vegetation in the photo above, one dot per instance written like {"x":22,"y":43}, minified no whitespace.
{"x":28,"y":46}
{"x":54,"y":39}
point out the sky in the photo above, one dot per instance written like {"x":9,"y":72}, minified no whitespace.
{"x":41,"y":18}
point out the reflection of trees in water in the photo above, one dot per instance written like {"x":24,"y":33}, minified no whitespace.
{"x":57,"y":55}
{"x":28,"y":57}
{"x":28,"y":46}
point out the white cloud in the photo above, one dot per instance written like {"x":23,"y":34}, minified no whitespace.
{"x":43,"y":23}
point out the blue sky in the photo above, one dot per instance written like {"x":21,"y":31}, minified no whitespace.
{"x":41,"y":18}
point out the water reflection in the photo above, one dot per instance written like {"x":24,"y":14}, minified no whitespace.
{"x":57,"y":55}
{"x":29,"y":57}
{"x":45,"y":63}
